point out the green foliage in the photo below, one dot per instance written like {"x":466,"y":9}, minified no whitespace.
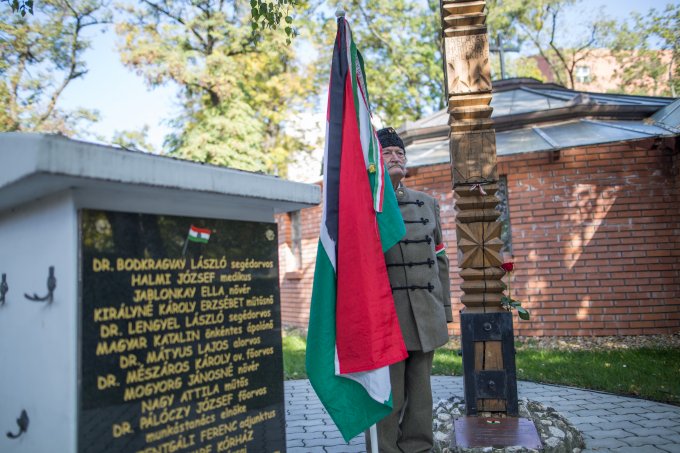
{"x":294,"y":347}
{"x":240,"y":88}
{"x":20,"y":6}
{"x":133,"y":140}
{"x":400,"y":42}
{"x":540,"y":25}
{"x":510,"y":304}
{"x":648,"y":51}
{"x":516,"y":67}
{"x":226,"y":135}
{"x":447,"y":362}
{"x":273,"y":14}
{"x":40,"y":55}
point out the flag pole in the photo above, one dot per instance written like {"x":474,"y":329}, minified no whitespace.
{"x":373,"y":430}
{"x":186,"y":242}
{"x":374,"y":438}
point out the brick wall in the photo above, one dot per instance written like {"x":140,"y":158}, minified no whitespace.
{"x":596,"y":240}
{"x":296,"y":283}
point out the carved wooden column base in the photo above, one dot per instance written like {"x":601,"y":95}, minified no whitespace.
{"x":486,"y":329}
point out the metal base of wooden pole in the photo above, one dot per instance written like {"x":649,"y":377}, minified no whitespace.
{"x":489,"y":378}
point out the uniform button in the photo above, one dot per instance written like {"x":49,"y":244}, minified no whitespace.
{"x":400,"y":192}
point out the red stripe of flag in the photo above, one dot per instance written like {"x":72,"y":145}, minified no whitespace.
{"x":201,"y":230}
{"x":367,"y":328}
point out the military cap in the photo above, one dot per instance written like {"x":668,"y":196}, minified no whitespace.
{"x":389,"y":137}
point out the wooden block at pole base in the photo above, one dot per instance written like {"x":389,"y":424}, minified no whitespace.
{"x":473,"y":157}
{"x":479,"y":244}
{"x":489,"y":356}
{"x":488,"y":362}
{"x":467,"y":64}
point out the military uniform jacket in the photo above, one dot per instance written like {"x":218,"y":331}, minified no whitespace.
{"x":419,"y":273}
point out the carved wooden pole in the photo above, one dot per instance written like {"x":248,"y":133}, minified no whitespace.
{"x":486,"y":329}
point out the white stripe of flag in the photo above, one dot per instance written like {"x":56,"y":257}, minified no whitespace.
{"x":199,"y":234}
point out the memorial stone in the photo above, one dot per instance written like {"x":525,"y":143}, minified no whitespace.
{"x":163,"y":331}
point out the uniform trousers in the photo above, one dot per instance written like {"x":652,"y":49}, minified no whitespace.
{"x":408,"y":428}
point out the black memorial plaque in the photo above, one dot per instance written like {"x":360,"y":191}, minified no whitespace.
{"x":180,"y":334}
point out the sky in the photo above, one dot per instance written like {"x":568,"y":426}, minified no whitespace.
{"x":126,"y":103}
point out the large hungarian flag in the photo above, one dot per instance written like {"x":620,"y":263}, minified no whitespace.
{"x":354,"y":332}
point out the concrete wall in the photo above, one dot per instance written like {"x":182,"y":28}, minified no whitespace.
{"x":596,"y":238}
{"x":39,"y":354}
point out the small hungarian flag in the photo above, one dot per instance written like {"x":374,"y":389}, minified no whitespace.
{"x":201,"y":235}
{"x":354,"y":333}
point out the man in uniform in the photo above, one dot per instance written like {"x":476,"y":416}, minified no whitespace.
{"x":419,"y":276}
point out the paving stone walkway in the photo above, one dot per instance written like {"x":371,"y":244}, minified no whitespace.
{"x":609,"y":423}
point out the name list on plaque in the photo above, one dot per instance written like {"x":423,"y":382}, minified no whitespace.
{"x":180,"y":335}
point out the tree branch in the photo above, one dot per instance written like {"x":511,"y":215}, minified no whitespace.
{"x":177,"y":19}
{"x":557,"y":51}
{"x":14,"y":93}
{"x":72,"y":73}
{"x":536,"y":42}
{"x":387,"y":44}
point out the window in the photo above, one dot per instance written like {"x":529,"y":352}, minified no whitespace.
{"x":504,"y":208}
{"x":295,"y":239}
{"x":583,"y":74}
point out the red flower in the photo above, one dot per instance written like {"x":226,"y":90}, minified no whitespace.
{"x":508,"y":267}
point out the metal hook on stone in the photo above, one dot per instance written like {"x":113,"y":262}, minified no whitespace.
{"x":22,"y":421}
{"x":4,"y":288}
{"x":51,"y":285}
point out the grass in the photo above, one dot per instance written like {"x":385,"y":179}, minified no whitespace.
{"x":647,"y":373}
{"x":650,"y":373}
{"x":294,"y":357}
